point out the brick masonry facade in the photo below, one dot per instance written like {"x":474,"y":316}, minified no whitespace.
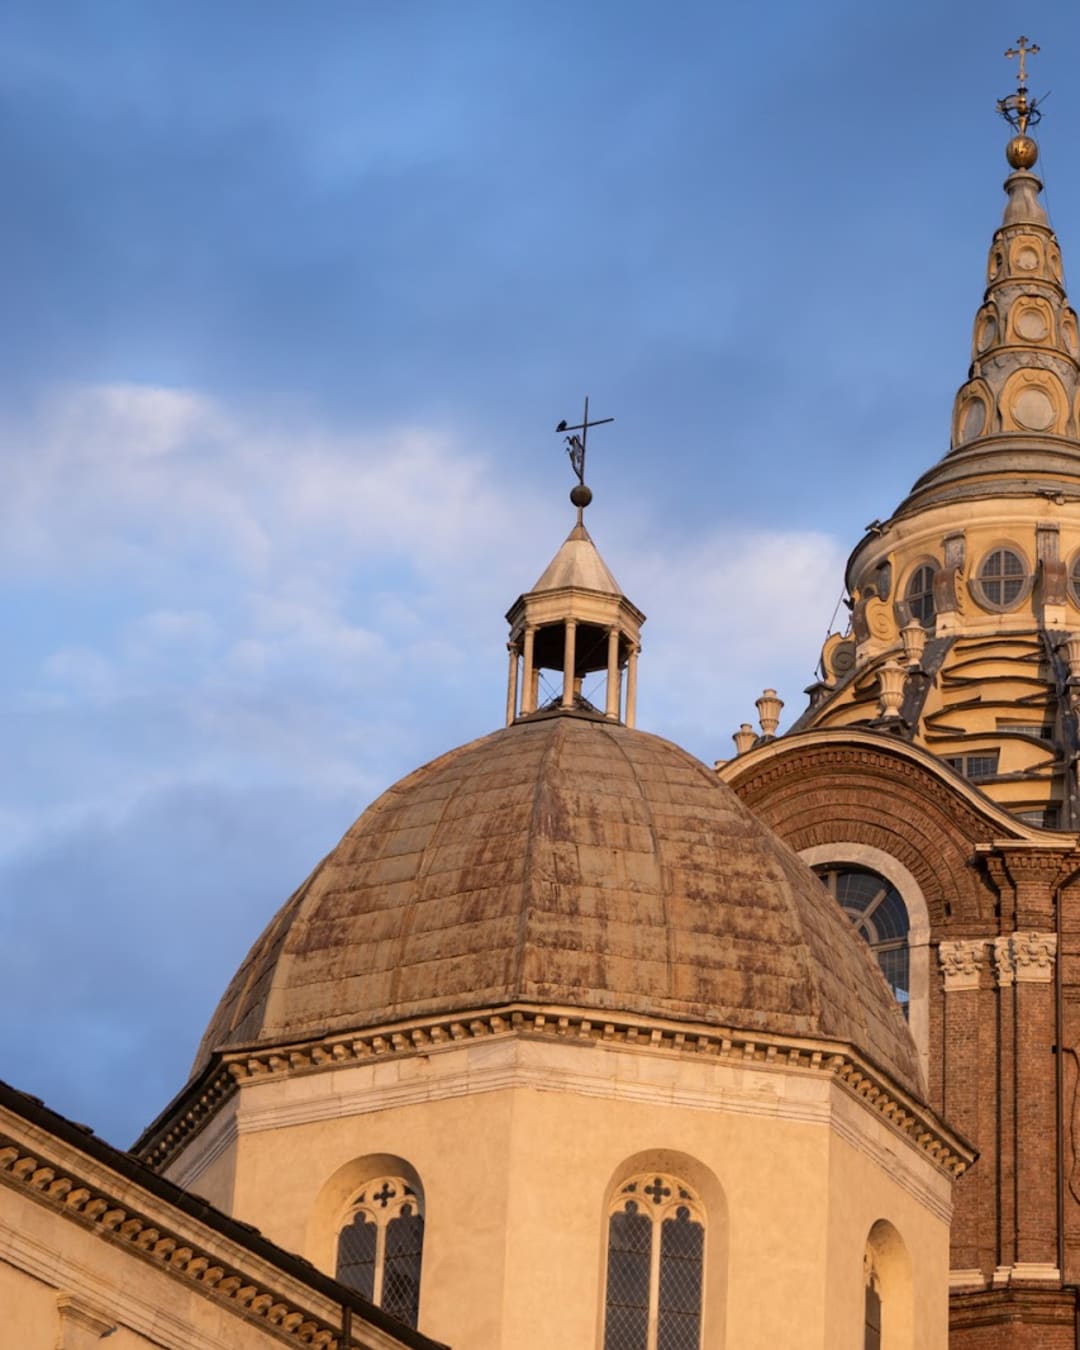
{"x":1003,"y":1014}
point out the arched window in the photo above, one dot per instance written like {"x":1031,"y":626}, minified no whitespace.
{"x":878,"y":912}
{"x":920,"y":594}
{"x":380,"y":1246}
{"x":888,"y":1296}
{"x":655,"y":1266}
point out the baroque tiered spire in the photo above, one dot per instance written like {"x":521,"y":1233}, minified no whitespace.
{"x":1017,"y":415}
{"x":965,"y":602}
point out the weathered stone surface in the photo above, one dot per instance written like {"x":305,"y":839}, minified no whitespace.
{"x":571,"y":861}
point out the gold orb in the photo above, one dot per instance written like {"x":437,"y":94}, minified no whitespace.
{"x":1021,"y":152}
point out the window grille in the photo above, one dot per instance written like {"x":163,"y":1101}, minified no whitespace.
{"x":380,"y":1247}
{"x":655,"y":1267}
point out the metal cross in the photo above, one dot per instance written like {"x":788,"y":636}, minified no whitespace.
{"x":1022,"y":50}
{"x":575,"y":445}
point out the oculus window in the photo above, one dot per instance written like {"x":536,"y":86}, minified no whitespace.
{"x":880,"y":916}
{"x":655,"y":1266}
{"x":380,"y":1247}
{"x":1002,"y":579}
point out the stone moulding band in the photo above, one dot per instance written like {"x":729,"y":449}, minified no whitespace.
{"x":88,"y":1204}
{"x":232,"y":1068}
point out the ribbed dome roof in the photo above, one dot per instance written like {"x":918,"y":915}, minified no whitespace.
{"x":564,"y":860}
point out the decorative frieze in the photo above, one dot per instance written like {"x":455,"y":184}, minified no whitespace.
{"x":961,"y":961}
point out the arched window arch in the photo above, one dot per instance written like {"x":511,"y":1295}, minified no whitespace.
{"x":380,"y":1246}
{"x":920,"y":593}
{"x":655,"y":1265}
{"x":877,"y":909}
{"x":888,"y":1297}
{"x":844,"y":854}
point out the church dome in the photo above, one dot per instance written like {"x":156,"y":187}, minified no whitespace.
{"x":570,"y":861}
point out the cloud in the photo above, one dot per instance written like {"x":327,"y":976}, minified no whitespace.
{"x":244,"y":627}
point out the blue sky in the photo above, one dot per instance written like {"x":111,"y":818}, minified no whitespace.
{"x":294,"y":296}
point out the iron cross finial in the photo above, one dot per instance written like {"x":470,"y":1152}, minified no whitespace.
{"x":1017,"y":109}
{"x":575,"y":448}
{"x":1022,"y":49}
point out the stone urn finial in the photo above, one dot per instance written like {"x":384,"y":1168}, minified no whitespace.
{"x":744,"y":738}
{"x":891,"y":691}
{"x":769,"y":706}
{"x":913,"y":635}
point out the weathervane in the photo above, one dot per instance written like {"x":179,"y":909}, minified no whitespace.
{"x":581,"y":496}
{"x":1017,"y":109}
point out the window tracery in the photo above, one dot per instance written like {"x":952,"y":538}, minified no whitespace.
{"x":380,"y":1246}
{"x":655,"y":1266}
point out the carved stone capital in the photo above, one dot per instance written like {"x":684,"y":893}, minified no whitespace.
{"x":1033,"y":955}
{"x":1004,"y":963}
{"x":961,"y":962}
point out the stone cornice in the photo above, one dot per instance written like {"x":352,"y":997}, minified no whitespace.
{"x":902,"y":1112}
{"x":247,"y":1291}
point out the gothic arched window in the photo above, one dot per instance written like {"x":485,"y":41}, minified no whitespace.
{"x":381,"y":1244}
{"x":655,"y":1266}
{"x":878,"y":912}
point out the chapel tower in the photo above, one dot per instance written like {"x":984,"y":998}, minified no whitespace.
{"x":932,"y":780}
{"x":965,"y":602}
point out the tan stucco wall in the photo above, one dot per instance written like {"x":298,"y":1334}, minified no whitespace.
{"x":519,"y":1145}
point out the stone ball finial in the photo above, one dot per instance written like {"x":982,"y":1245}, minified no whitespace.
{"x":580,"y":496}
{"x":1021,"y":152}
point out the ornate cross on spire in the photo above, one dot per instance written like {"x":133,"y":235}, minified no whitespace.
{"x":575,"y":448}
{"x":1022,"y":50}
{"x":1017,"y":109}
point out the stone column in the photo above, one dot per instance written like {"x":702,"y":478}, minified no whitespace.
{"x":1005,"y":974}
{"x":631,"y":686}
{"x":1036,"y":1096}
{"x":569,"y":657}
{"x":512,"y":682}
{"x":962,"y":961}
{"x":530,"y":675}
{"x":611,"y":709}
